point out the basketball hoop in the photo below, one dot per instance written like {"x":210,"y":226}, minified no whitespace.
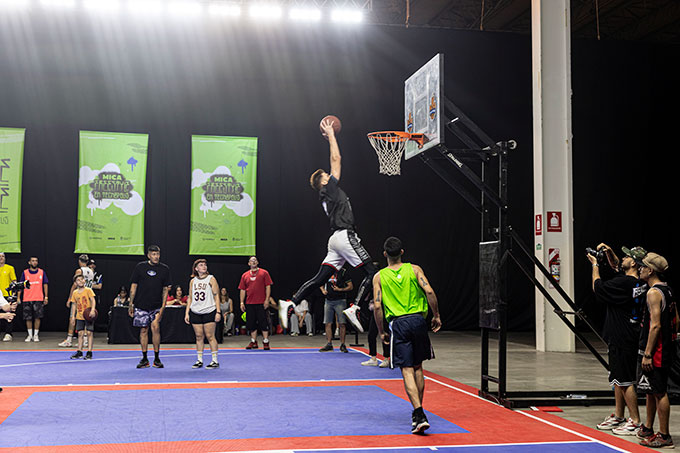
{"x":389,"y":146}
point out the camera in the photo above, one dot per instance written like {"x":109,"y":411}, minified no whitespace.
{"x":600,"y":254}
{"x":14,"y":288}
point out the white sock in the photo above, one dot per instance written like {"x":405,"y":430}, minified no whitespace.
{"x":35,"y":332}
{"x":30,"y":334}
{"x":200,"y":356}
{"x":265,"y":340}
{"x":214,"y":357}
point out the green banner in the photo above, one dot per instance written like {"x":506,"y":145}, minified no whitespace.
{"x":11,"y":166}
{"x":223,"y":193}
{"x":111,"y":193}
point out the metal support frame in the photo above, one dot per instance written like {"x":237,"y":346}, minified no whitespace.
{"x":492,"y":204}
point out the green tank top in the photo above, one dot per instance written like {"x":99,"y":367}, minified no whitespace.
{"x":401,"y":293}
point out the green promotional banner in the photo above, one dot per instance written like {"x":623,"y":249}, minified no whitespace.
{"x":111,"y":193}
{"x":223,"y":189}
{"x":11,"y":166}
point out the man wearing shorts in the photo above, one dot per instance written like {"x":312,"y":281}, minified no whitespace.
{"x":344,"y":245}
{"x":255,"y":290}
{"x":404,"y":291}
{"x":657,"y":351}
{"x":149,"y":286}
{"x":335,"y":291}
{"x":33,"y":299}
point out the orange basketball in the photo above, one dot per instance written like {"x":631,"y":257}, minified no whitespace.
{"x":337,"y":125}
{"x":90,"y":314}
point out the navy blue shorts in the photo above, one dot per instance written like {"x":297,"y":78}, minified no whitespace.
{"x":409,"y":341}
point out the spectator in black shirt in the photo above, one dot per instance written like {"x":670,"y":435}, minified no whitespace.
{"x":336,"y":290}
{"x":622,"y":296}
{"x":344,"y":245}
{"x":149,"y":286}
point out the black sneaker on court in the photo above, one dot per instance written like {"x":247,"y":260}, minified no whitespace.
{"x":343,"y":348}
{"x":144,"y":363}
{"x":212,"y":365}
{"x":644,"y":432}
{"x":88,"y":355}
{"x":198,"y":364}
{"x":77,"y":355}
{"x":157,"y":363}
{"x":326,"y":348}
{"x":419,"y":423}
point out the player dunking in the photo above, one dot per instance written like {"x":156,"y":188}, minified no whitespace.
{"x":344,"y":244}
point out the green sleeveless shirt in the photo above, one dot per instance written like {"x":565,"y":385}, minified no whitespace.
{"x":401,"y":293}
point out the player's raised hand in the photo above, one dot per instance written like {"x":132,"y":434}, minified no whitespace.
{"x":327,"y":128}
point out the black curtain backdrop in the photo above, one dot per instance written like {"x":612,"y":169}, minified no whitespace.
{"x":171,"y":78}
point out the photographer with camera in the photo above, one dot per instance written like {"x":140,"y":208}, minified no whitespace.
{"x":622,"y":295}
{"x":7,"y":310}
{"x":7,"y":276}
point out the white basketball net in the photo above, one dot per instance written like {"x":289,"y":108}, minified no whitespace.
{"x":389,"y":147}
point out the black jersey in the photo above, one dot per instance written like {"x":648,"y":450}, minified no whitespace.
{"x":336,"y":204}
{"x":623,"y":296}
{"x":340,"y":280}
{"x":664,"y":349}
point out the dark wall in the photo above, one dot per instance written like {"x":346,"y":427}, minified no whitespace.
{"x":170,"y":79}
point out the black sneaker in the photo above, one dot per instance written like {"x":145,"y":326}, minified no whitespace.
{"x":144,"y":363}
{"x":419,"y":423}
{"x":157,"y":363}
{"x":328,"y":347}
{"x":77,"y":355}
{"x":198,"y":364}
{"x":644,"y":432}
{"x":343,"y":348}
{"x":88,"y":356}
{"x":213,"y":365}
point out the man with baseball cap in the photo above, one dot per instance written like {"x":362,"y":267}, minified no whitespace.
{"x":657,"y":350}
{"x":622,"y":296}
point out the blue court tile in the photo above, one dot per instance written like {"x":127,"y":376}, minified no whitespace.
{"x":124,"y":416}
{"x":111,"y":367}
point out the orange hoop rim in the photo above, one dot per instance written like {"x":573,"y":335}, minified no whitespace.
{"x":397,"y":136}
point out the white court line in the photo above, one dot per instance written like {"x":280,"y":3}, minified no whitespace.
{"x":224,"y":353}
{"x":420,"y":447}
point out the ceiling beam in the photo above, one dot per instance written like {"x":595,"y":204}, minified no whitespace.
{"x":650,"y":23}
{"x":586,"y":14}
{"x":503,"y":13}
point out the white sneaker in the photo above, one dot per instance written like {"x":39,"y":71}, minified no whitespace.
{"x":630,"y":428}
{"x":28,"y":338}
{"x":373,"y":361}
{"x":36,"y":338}
{"x":65,"y":344}
{"x":385,"y":363}
{"x":351,"y":314}
{"x":7,"y":337}
{"x":283,"y":312}
{"x":611,"y":422}
{"x":310,"y":334}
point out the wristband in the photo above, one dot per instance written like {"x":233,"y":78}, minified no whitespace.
{"x":596,"y":265}
{"x":647,"y":356}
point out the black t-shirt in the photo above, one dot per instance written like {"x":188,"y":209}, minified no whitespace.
{"x":624,"y":297}
{"x":336,"y":204}
{"x":150,"y":280}
{"x":340,"y":280}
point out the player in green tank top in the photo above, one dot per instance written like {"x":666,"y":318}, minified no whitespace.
{"x":404,"y":292}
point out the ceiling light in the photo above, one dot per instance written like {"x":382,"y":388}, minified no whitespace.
{"x":347,"y":15}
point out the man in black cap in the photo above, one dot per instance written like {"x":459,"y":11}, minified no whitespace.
{"x":657,"y":350}
{"x":622,"y":295}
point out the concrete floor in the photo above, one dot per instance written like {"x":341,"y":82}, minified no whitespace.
{"x":457,"y":357}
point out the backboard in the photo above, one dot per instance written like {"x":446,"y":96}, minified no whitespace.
{"x":423,"y":93}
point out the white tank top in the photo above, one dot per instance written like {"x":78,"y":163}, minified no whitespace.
{"x":203,"y":301}
{"x":88,"y":275}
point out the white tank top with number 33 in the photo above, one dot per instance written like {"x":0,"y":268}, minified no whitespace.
{"x":202,"y":301}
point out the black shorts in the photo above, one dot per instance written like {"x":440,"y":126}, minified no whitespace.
{"x":195,"y":318}
{"x":653,"y":382}
{"x":33,"y":309}
{"x":256,"y":318}
{"x":409,"y":341}
{"x":81,"y":324}
{"x":623,"y":365}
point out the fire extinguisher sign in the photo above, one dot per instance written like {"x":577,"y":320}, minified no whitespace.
{"x":554,"y":263}
{"x":538,"y":226}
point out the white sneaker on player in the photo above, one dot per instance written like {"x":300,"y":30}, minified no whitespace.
{"x":283,"y":312}
{"x":352,"y":315}
{"x":373,"y":361}
{"x":28,"y":338}
{"x":385,"y":363}
{"x":36,"y":338}
{"x":7,"y":337}
{"x":66,"y":343}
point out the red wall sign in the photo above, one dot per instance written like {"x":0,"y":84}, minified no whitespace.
{"x":554,"y":221}
{"x":538,"y":225}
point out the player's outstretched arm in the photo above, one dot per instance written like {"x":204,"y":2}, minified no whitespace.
{"x":431,"y":297}
{"x":336,"y":166}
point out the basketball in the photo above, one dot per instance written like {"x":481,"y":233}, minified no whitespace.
{"x":90,"y":314}
{"x":337,"y":125}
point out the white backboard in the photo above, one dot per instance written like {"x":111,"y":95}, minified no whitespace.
{"x":423,"y":93}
